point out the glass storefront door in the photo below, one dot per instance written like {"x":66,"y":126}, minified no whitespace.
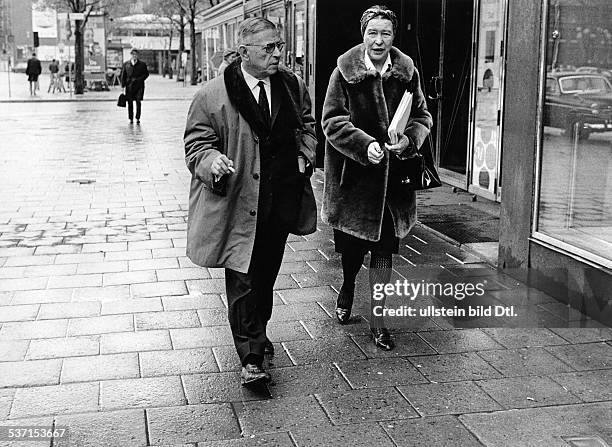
{"x":454,"y":100}
{"x":487,"y":94}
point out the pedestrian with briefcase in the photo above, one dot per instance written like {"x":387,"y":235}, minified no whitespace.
{"x":133,"y":75}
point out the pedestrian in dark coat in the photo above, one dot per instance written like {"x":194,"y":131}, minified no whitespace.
{"x":133,"y":75}
{"x":250,"y":146}
{"x":33,"y":70}
{"x":364,"y":200}
{"x":53,"y":71}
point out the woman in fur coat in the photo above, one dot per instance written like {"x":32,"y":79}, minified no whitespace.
{"x":364,"y":200}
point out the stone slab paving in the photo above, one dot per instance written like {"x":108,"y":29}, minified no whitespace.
{"x":107,"y":327}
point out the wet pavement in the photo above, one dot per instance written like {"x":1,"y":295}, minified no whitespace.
{"x":106,"y":328}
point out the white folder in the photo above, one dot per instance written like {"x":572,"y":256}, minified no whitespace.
{"x":400,"y":119}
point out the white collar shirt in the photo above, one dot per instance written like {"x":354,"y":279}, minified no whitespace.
{"x":252,"y":82}
{"x":370,"y":65}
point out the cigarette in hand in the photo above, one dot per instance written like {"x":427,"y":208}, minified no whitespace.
{"x":231,"y":169}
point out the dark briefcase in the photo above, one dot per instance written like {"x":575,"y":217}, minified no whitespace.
{"x":121,"y":102}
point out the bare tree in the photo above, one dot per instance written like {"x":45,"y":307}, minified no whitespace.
{"x":85,"y":7}
{"x":170,"y":10}
{"x":192,"y":9}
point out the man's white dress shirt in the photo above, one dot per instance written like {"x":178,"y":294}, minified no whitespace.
{"x":252,"y":82}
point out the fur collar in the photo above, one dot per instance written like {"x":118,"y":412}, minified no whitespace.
{"x":353,"y":69}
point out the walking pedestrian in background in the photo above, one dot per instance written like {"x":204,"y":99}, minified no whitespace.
{"x":53,"y":75}
{"x":133,"y":75}
{"x":364,"y":200}
{"x":229,"y":56}
{"x":33,"y":71}
{"x":59,"y":80}
{"x":68,"y":71}
{"x":249,"y":145}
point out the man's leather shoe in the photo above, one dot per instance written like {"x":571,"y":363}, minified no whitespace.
{"x":252,"y":375}
{"x":268,"y":347}
{"x":382,"y":338}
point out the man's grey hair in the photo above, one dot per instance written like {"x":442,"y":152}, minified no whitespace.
{"x":252,"y":26}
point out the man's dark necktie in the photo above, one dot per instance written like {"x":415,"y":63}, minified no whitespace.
{"x":264,"y":106}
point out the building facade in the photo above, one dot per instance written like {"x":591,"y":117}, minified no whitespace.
{"x":556,"y":219}
{"x":151,"y":35}
{"x":16,"y":40}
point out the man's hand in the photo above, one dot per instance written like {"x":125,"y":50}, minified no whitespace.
{"x":221,"y":166}
{"x":375,"y":153}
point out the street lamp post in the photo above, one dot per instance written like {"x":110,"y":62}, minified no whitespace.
{"x":8,"y":73}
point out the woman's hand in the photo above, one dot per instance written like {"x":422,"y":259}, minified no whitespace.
{"x":375,"y":153}
{"x":403,"y":143}
{"x":402,"y":148}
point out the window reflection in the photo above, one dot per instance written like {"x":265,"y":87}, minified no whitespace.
{"x":575,"y":203}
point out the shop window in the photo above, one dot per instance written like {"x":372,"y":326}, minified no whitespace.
{"x":213,"y":51}
{"x":575,"y":180}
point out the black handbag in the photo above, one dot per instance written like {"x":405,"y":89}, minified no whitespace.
{"x":121,"y":102}
{"x":307,"y":216}
{"x":419,"y":172}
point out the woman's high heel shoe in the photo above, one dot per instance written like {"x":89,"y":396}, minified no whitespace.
{"x":344,"y":303}
{"x":382,"y":339}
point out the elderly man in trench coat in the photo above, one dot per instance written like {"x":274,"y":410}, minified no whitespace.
{"x":249,"y":145}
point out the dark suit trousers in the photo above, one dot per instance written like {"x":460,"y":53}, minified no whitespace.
{"x":249,"y":296}
{"x":130,"y":105}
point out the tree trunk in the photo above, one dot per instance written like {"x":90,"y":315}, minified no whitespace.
{"x":179,"y":59}
{"x":79,"y":80}
{"x":192,"y":52}
{"x":169,"y":60}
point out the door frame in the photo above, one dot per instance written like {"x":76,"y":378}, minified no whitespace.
{"x":453,"y":178}
{"x":496,"y":196}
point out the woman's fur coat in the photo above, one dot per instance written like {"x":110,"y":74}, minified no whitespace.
{"x":358,"y":108}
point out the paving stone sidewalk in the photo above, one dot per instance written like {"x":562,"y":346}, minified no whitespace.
{"x":108,"y":329}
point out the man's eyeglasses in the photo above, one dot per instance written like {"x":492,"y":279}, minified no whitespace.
{"x":269,"y":48}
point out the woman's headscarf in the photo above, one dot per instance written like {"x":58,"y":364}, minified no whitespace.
{"x":378,"y":11}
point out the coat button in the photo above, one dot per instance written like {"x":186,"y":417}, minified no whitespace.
{"x":256,"y":176}
{"x":252,"y":212}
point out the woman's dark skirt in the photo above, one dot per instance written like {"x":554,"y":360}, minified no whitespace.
{"x":33,"y":78}
{"x":388,"y":243}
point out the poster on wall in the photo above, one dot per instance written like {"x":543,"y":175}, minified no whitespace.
{"x":114,"y":58}
{"x":44,"y":22}
{"x":94,"y":45}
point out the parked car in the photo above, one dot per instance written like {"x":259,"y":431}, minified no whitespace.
{"x":578,"y":98}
